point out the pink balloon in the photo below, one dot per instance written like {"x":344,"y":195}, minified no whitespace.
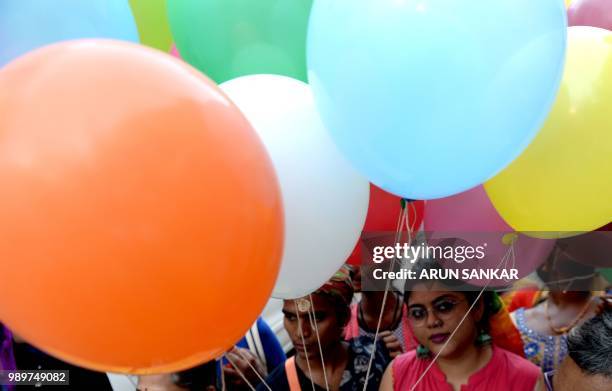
{"x":595,"y":13}
{"x":470,"y":216}
{"x":174,"y":51}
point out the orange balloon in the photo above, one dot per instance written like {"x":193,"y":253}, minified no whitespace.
{"x":141,"y":220}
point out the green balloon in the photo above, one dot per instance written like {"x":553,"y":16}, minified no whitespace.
{"x":226,"y":39}
{"x":152,"y":23}
{"x":607,"y":274}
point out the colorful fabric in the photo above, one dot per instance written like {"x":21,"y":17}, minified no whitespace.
{"x":505,"y":371}
{"x":340,"y":286}
{"x":526,"y":298}
{"x":504,"y":332}
{"x":545,"y":351}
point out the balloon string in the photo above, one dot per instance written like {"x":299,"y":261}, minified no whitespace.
{"x":134,"y":382}
{"x":222,"y":376}
{"x":297,"y":312}
{"x":313,"y":321}
{"x":254,"y":370}
{"x":507,"y":255}
{"x":513,"y":257}
{"x":504,"y":259}
{"x":398,"y":235}
{"x":570,"y":280}
{"x":414,"y":216}
{"x":409,"y":229}
{"x":399,"y":221}
{"x":449,"y":338}
{"x":239,"y":372}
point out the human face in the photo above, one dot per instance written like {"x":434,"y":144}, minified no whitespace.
{"x":561,"y":271}
{"x":330,"y":330}
{"x":570,"y":377}
{"x":434,"y":314}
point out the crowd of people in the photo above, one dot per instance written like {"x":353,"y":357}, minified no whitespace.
{"x":430,"y":336}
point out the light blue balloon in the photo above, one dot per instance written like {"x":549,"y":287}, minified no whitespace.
{"x":428,"y":98}
{"x":28,"y":24}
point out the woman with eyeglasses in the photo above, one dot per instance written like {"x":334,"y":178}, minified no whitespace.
{"x":449,"y":320}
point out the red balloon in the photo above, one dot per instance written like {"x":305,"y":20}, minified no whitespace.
{"x":383,"y":213}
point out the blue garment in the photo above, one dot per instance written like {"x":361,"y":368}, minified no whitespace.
{"x":273,"y":351}
{"x":546,"y":351}
{"x":275,"y":355}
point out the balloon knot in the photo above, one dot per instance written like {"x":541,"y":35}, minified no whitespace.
{"x":509,"y":238}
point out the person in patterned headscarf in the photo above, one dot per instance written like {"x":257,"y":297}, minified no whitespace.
{"x":315,"y":325}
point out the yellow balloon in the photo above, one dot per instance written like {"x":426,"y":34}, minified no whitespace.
{"x":562,"y":183}
{"x":567,"y":3}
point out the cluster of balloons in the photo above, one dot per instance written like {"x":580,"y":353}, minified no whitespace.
{"x":141,"y":201}
{"x":138,"y":195}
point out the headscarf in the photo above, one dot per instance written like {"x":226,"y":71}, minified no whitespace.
{"x":339,"y":288}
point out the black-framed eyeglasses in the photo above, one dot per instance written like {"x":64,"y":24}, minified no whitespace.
{"x":443,"y":308}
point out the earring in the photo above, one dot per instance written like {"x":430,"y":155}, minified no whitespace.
{"x":483,"y":339}
{"x":422,"y":352}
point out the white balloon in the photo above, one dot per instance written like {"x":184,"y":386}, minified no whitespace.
{"x":325,"y":199}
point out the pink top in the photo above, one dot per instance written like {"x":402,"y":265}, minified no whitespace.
{"x":505,"y":371}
